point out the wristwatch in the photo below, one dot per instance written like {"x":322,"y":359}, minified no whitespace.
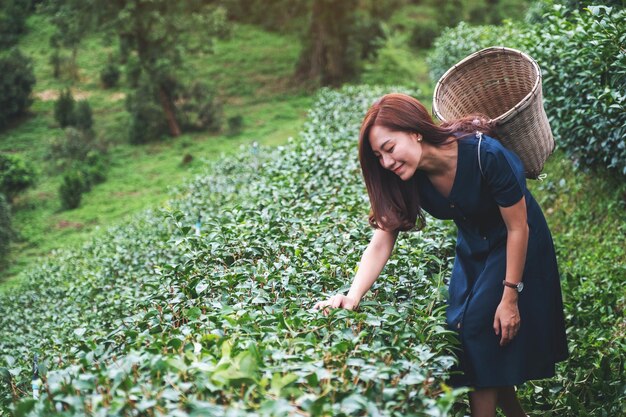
{"x":519,"y":286}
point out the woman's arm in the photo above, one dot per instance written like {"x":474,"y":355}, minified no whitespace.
{"x":372,"y":263}
{"x":507,"y":320}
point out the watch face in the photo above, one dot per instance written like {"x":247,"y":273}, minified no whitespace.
{"x":520,"y":287}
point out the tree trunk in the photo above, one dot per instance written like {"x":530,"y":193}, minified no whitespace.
{"x":168,"y":109}
{"x":73,"y":64}
{"x":325,"y":57}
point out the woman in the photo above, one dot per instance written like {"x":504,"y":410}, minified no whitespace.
{"x":504,"y":294}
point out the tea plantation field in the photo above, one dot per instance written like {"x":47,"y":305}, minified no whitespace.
{"x":153,"y":318}
{"x":156,"y":318}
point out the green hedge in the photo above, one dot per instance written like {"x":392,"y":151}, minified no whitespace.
{"x":584,"y":70}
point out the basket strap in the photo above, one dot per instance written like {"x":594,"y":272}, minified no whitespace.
{"x":479,"y":135}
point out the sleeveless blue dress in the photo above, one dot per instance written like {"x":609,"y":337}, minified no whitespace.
{"x":476,"y":289}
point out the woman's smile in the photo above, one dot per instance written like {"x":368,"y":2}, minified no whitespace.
{"x":398,"y":152}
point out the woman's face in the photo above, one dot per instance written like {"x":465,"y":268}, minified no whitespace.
{"x":399,"y":152}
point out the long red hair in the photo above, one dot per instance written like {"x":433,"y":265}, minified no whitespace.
{"x":395,"y":204}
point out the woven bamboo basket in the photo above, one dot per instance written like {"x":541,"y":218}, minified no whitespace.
{"x":505,"y":85}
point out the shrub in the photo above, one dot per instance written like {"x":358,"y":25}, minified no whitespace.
{"x":394,"y":61}
{"x":72,"y":188}
{"x":584,"y":66}
{"x":198,"y":109}
{"x":16,"y":84}
{"x":83,"y":116}
{"x":74,"y":146}
{"x":15,"y":176}
{"x":148,"y":122}
{"x":584,"y":70}
{"x":421,"y":22}
{"x":110,"y":75}
{"x":64,"y":108}
{"x":456,"y":43}
{"x":95,"y":168}
{"x":13,"y":14}
{"x":235,"y":124}
{"x":424,"y":33}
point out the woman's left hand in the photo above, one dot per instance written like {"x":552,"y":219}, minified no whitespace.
{"x":507,"y":321}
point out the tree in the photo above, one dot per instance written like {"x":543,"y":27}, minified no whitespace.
{"x":160,"y":33}
{"x":13,"y":14}
{"x":16,"y":84}
{"x":328,"y":57}
{"x":73,"y":20}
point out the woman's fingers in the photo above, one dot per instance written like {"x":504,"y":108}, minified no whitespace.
{"x":509,"y":331}
{"x":506,"y":323}
{"x":336,"y":301}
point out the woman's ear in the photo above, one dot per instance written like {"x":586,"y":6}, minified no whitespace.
{"x":418,"y":137}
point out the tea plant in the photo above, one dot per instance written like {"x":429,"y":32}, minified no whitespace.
{"x":156,"y":318}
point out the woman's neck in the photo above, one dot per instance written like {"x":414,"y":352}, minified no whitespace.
{"x":439,"y":160}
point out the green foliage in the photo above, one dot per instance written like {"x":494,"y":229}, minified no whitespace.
{"x":64,"y":108}
{"x":593,"y":267}
{"x":393,"y":61}
{"x":16,"y":83}
{"x":83,"y":116}
{"x":13,"y":14}
{"x":420,"y":21}
{"x":6,"y":231}
{"x":198,"y":108}
{"x":16,"y":175}
{"x":277,"y":15}
{"x":161,"y":34}
{"x":80,"y":177}
{"x":590,"y":126}
{"x":329,"y":55}
{"x":235,"y":124}
{"x":73,"y":20}
{"x":260,"y":64}
{"x":456,"y":43}
{"x":147,"y":121}
{"x":150,"y":318}
{"x":110,"y":75}
{"x":68,"y":112}
{"x":72,"y":188}
{"x":75,"y":145}
{"x":494,"y":12}
{"x":133,"y":72}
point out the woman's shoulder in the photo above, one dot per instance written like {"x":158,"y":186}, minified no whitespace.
{"x":490,"y":149}
{"x":492,"y":146}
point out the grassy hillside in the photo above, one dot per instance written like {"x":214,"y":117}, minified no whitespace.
{"x":252,"y":71}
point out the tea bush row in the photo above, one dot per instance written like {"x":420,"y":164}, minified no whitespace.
{"x":583,"y":63}
{"x":155,"y":319}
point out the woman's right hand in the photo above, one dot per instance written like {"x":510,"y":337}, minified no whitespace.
{"x":337,"y":301}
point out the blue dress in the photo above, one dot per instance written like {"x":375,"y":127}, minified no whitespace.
{"x":476,"y":289}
